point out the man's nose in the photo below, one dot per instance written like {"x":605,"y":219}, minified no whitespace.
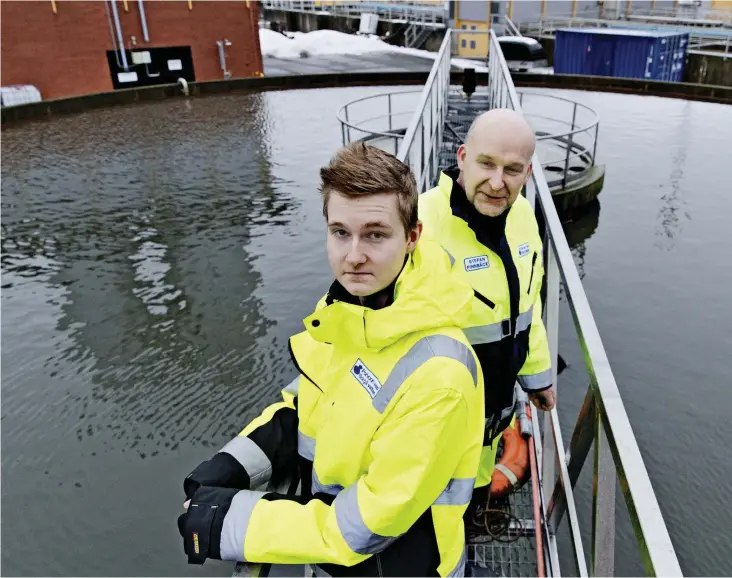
{"x":496,"y":180}
{"x":355,"y":255}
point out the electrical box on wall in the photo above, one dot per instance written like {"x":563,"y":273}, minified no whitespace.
{"x":151,"y":66}
{"x":141,"y":57}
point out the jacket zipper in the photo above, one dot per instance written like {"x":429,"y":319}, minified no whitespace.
{"x":378,"y":565}
{"x":533,"y":262}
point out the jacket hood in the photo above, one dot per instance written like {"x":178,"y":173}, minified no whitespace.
{"x":429,"y":294}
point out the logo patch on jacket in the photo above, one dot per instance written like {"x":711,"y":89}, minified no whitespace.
{"x":477,"y":262}
{"x":367,"y":379}
{"x":523,"y":250}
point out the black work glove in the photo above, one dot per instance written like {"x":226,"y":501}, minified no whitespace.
{"x":222,"y":471}
{"x":201,"y":525}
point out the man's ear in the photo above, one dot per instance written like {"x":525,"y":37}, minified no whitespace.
{"x":414,"y":236}
{"x":529,"y":172}
{"x":461,"y":152}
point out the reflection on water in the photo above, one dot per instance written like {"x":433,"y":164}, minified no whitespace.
{"x":580,"y":229}
{"x":673,"y":211}
{"x":148,"y":233}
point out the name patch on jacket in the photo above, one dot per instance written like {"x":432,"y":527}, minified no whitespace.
{"x":523,"y":250}
{"x":367,"y":379}
{"x":477,"y":262}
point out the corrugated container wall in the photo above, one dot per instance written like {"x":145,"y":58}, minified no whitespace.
{"x":646,"y":54}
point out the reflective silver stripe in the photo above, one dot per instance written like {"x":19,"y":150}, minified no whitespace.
{"x":459,"y":570}
{"x":236,"y":522}
{"x":452,"y":259}
{"x":353,"y":529}
{"x":457,"y":493}
{"x":523,"y":321}
{"x":305,"y":446}
{"x":536,"y":380}
{"x":425,"y":349}
{"x":484,"y":333}
{"x":494,"y":331}
{"x":317,"y":486}
{"x":292,"y":387}
{"x":252,"y":459}
{"x":510,"y":476}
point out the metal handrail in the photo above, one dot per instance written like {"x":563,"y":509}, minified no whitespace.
{"x":343,"y":114}
{"x":603,"y":419}
{"x":404,"y":11}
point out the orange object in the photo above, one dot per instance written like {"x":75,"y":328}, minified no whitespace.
{"x":512,"y":470}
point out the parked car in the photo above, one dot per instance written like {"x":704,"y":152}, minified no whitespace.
{"x":522,"y":54}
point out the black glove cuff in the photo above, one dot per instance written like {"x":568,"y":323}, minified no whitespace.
{"x":201,"y":526}
{"x":223,"y":471}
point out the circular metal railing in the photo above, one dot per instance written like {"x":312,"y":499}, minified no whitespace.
{"x":364,"y":119}
{"x":566,"y":130}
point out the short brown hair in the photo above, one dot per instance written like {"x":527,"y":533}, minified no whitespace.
{"x":360,"y":169}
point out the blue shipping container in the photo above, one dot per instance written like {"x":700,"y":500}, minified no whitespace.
{"x":622,"y":53}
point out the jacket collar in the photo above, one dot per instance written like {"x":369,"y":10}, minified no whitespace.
{"x":428,"y":294}
{"x":488,"y":230}
{"x":338,"y":292}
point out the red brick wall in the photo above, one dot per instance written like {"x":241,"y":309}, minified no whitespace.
{"x":64,"y":54}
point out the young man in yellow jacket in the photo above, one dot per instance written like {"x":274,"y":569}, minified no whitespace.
{"x":478,"y":214}
{"x":381,"y":428}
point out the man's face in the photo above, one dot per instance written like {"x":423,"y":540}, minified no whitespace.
{"x":367,"y":242}
{"x":494,"y":167}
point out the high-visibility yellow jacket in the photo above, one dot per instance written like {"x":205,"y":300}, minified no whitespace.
{"x":383,"y":427}
{"x":501,"y":258}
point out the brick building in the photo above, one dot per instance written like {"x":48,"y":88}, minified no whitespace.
{"x":69,"y":47}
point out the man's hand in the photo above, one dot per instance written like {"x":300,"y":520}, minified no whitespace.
{"x":544,"y":399}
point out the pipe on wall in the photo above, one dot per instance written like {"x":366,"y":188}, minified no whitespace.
{"x":118,"y":28}
{"x":143,"y":21}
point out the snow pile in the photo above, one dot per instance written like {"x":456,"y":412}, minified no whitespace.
{"x":304,"y":44}
{"x":319,"y":42}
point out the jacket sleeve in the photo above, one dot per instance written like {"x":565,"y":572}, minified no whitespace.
{"x":536,"y":373}
{"x":264,"y":452}
{"x":414,"y":455}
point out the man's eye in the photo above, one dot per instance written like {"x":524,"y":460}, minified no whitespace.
{"x":338,"y":232}
{"x":377,"y":235}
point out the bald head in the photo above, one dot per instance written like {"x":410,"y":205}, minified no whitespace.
{"x":505,"y":124}
{"x":495,"y":160}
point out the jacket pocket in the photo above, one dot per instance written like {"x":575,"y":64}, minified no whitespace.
{"x":533,"y":268}
{"x":483,"y":299}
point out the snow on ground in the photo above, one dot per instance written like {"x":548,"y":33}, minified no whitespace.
{"x":303,"y":44}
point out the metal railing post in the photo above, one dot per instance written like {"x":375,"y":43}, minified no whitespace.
{"x":390,"y":111}
{"x":348,"y":128}
{"x":551,"y":312}
{"x":570,"y":143}
{"x":603,"y":505}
